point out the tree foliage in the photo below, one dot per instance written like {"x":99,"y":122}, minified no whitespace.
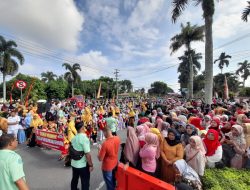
{"x":223,"y":60}
{"x":183,"y":68}
{"x":244,"y":70}
{"x":232,"y":82}
{"x":48,"y":76}
{"x":159,"y":88}
{"x":246,"y":12}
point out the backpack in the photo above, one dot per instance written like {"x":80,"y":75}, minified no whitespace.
{"x":74,"y":154}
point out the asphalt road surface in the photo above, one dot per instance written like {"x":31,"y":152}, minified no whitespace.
{"x":44,"y":172}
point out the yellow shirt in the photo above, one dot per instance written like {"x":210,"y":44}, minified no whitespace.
{"x":71,"y":130}
{"x":36,"y":122}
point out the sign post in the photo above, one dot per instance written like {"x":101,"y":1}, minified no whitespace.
{"x":21,"y":85}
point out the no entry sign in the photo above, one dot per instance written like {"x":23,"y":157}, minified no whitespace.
{"x":21,"y":84}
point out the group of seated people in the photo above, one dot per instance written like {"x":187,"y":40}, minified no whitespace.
{"x":176,"y":151}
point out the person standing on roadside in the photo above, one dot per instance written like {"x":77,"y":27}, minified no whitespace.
{"x":13,"y":123}
{"x":108,"y":154}
{"x":81,"y":168}
{"x":112,"y":123}
{"x":11,"y":165}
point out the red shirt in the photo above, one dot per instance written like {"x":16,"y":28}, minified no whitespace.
{"x":109,"y":153}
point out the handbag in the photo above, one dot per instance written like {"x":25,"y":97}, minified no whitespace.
{"x":74,"y":154}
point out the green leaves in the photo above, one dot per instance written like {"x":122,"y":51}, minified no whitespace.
{"x":246,"y":12}
{"x":225,"y":179}
{"x":159,"y":88}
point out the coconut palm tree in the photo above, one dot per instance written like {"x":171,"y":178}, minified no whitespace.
{"x":72,"y":75}
{"x":208,"y":12}
{"x":188,"y":34}
{"x":48,"y":76}
{"x":244,"y":70}
{"x":223,"y":60}
{"x":10,"y":58}
{"x":183,"y":68}
{"x":246,"y":12}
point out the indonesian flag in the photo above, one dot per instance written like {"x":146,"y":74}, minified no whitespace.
{"x":226,"y":96}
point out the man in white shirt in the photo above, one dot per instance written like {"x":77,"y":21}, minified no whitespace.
{"x":13,"y":123}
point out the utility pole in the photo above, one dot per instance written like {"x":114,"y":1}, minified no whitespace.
{"x":116,"y":81}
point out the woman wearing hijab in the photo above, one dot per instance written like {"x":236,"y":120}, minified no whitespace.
{"x":171,"y":151}
{"x":140,"y":131}
{"x":213,"y":148}
{"x":131,"y":149}
{"x":190,"y":131}
{"x":206,"y":122}
{"x":149,"y":153}
{"x":240,"y":119}
{"x":187,"y":175}
{"x":195,"y":154}
{"x":237,"y":141}
{"x":164,"y":129}
{"x":153,"y":116}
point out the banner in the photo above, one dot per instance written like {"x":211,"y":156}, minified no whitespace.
{"x":50,"y":139}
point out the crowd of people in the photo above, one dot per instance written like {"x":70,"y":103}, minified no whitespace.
{"x":171,"y":139}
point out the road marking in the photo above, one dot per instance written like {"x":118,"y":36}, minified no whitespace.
{"x":100,"y":185}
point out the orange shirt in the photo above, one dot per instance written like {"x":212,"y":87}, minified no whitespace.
{"x":109,"y":153}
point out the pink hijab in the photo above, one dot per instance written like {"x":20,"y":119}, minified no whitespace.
{"x":158,"y":123}
{"x":190,"y":152}
{"x":132,"y":147}
{"x":152,"y":139}
{"x":141,"y":132}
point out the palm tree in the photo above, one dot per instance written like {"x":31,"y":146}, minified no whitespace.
{"x":8,"y":63}
{"x":183,"y":68}
{"x":188,"y":34}
{"x":48,"y":76}
{"x":244,"y":70}
{"x":72,"y":75}
{"x":246,"y":12}
{"x":223,"y":60}
{"x":208,"y":12}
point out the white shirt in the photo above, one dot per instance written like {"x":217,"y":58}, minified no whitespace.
{"x":13,"y":120}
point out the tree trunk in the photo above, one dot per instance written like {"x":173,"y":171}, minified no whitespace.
{"x":244,"y":83}
{"x":208,"y":59}
{"x":191,"y":75}
{"x":4,"y":87}
{"x":72,"y":89}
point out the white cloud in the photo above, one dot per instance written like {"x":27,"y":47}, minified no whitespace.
{"x":227,"y":21}
{"x":94,"y":64}
{"x":54,"y":24}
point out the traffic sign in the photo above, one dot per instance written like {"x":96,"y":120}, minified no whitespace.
{"x":21,"y":84}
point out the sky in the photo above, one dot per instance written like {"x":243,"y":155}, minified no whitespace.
{"x":132,"y":36}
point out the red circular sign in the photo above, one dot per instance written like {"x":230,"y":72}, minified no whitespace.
{"x":21,"y":84}
{"x":79,"y":104}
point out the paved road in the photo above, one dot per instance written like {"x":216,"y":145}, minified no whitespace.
{"x":44,"y":172}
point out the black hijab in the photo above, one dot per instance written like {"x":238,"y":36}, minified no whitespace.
{"x":173,"y":142}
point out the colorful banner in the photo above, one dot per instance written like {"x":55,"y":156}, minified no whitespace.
{"x":50,"y":139}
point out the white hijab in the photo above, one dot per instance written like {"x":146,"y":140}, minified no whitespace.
{"x":186,"y":171}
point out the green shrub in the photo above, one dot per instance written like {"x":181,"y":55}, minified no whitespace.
{"x":226,"y":179}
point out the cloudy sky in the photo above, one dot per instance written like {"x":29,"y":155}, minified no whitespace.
{"x":102,"y":35}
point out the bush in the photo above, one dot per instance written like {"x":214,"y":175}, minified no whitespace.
{"x":226,"y":179}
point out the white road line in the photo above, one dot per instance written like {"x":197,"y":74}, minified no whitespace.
{"x":100,"y":185}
